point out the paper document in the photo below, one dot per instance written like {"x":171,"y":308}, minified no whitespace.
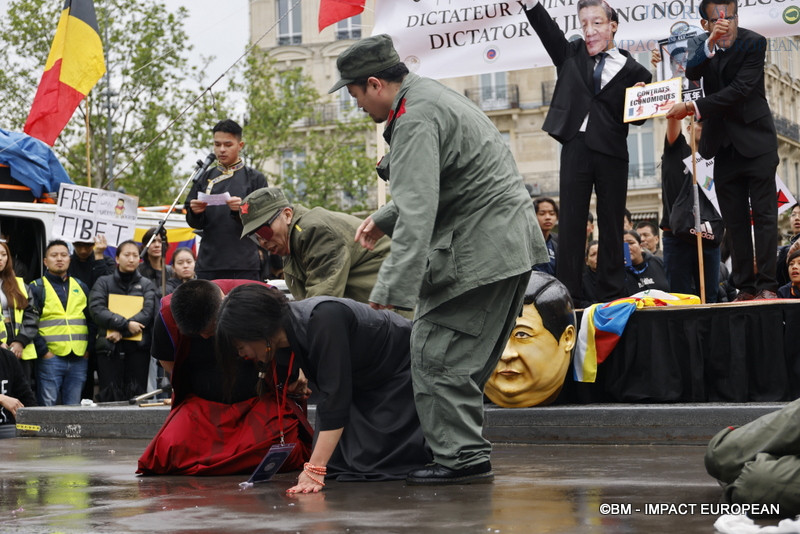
{"x":220,"y":199}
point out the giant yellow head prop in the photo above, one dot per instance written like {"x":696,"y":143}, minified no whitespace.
{"x":533,"y":366}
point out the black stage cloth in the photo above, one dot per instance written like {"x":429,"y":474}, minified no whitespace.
{"x":715,"y":353}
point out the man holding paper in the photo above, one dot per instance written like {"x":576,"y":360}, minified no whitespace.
{"x":222,"y":253}
{"x":738,"y":131}
{"x":586,"y":117}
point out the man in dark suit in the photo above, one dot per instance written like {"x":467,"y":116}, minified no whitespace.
{"x":586,"y":118}
{"x":738,"y":131}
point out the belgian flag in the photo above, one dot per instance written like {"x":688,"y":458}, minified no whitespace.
{"x":73,"y":67}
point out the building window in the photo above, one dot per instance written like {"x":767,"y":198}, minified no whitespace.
{"x":291,"y":162}
{"x":349,"y":28}
{"x":642,"y":153}
{"x":290,"y":29}
{"x":494,"y":91}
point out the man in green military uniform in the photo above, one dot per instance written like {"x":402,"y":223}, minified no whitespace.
{"x":464,"y":238}
{"x":319,"y":254}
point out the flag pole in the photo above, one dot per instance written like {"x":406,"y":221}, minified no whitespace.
{"x":88,"y":151}
{"x":698,"y":231}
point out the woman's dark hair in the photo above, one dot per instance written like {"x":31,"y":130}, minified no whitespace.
{"x":10,"y":287}
{"x":149,"y":233}
{"x":128,"y":242}
{"x":178,"y":251}
{"x":793,"y":255}
{"x":538,"y":201}
{"x":250,"y":312}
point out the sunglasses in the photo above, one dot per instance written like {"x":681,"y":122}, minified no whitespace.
{"x":264,"y":233}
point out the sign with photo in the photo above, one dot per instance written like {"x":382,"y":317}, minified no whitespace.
{"x":651,"y":100}
{"x":83,"y":212}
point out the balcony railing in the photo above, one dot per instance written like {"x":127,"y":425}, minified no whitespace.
{"x":328,"y":114}
{"x":787,"y":128}
{"x":494,"y":97}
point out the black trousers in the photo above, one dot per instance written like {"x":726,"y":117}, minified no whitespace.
{"x":581,"y":170}
{"x":744,"y":183}
{"x":122,"y":372}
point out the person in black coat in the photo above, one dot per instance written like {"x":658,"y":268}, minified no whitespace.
{"x":739,"y":133}
{"x":15,"y":390}
{"x":122,"y":360}
{"x":585,"y":116}
{"x":646,"y":271}
{"x":222,"y":253}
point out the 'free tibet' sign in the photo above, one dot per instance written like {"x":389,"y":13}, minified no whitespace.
{"x":84,"y":212}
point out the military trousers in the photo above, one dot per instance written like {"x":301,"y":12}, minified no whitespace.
{"x":454,"y":350}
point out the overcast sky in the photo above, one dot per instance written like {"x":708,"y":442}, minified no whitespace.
{"x":216,"y":28}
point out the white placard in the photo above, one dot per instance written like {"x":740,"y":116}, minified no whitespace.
{"x":83,"y":212}
{"x":705,"y":178}
{"x":652,"y":100}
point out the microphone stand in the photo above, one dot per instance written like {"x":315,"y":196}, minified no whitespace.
{"x":160,"y":228}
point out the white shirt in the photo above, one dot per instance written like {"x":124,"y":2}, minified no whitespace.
{"x":614,"y":63}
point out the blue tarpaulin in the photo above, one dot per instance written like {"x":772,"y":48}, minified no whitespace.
{"x":31,"y":162}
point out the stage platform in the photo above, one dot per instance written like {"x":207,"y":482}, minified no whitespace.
{"x":677,"y":376}
{"x":606,"y":424}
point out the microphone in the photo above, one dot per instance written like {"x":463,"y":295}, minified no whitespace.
{"x":202,"y":166}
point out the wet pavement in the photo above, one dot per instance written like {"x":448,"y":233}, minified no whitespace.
{"x":88,"y":485}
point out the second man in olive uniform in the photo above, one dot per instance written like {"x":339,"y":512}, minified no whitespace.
{"x":319,"y":254}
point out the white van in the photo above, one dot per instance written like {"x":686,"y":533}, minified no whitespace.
{"x":27,"y":226}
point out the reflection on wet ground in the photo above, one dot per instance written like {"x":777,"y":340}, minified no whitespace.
{"x":62,"y":485}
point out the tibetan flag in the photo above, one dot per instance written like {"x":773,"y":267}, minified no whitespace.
{"x":332,"y":11}
{"x":602,"y":326}
{"x":73,"y":67}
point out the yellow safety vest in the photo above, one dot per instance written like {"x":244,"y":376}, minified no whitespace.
{"x":29,"y":352}
{"x":65,"y":331}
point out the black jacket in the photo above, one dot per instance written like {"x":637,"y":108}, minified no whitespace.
{"x":735,"y":107}
{"x":222,"y":248}
{"x":91,"y":270}
{"x":106,"y":319}
{"x":14,"y":384}
{"x":574,"y":96}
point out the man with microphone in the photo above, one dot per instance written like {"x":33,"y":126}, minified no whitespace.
{"x":222,"y":253}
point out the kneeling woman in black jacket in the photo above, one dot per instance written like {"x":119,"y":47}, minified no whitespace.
{"x":122,"y":305}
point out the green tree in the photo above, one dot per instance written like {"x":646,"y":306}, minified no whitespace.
{"x":288,"y":116}
{"x":149,"y":84}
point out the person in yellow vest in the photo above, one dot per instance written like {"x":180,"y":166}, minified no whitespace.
{"x":19,"y":318}
{"x":62,"y":343}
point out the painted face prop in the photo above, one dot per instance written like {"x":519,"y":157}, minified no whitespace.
{"x":533,"y":366}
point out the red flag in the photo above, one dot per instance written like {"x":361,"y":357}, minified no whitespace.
{"x":73,"y":67}
{"x":332,"y":11}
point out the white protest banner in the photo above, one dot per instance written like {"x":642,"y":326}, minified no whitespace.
{"x":705,"y":178}
{"x":83,"y":212}
{"x":785,"y":197}
{"x":652,"y":100}
{"x":442,"y":39}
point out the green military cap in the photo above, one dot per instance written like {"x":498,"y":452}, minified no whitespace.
{"x":260,"y":206}
{"x":364,"y":59}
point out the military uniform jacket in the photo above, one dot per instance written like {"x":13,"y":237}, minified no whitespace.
{"x":325,"y":260}
{"x":460,"y":216}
